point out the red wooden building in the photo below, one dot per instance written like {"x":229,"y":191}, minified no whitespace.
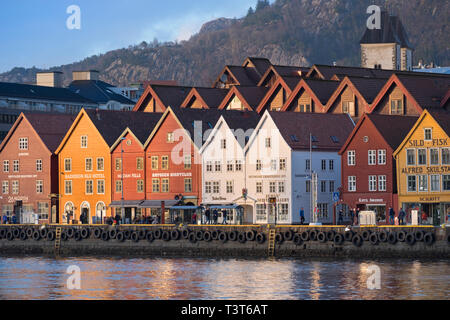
{"x":368,"y":166}
{"x":29,"y":167}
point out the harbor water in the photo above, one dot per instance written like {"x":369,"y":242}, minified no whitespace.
{"x":40,"y":278}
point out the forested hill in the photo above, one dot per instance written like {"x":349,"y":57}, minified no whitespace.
{"x":288,"y":32}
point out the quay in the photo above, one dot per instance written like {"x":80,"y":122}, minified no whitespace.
{"x":224,"y":241}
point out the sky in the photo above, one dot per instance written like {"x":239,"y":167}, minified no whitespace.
{"x":35,"y":32}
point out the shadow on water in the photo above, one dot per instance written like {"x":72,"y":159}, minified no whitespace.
{"x":108,"y":278}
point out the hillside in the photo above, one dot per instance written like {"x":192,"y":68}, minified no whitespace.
{"x":289,"y":32}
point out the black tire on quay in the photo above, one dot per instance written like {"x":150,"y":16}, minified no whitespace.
{"x":419,"y":235}
{"x":401,"y":236}
{"x":105,"y":235}
{"x":313,"y":235}
{"x":305,"y":236}
{"x":165,"y":236}
{"x":36,"y":235}
{"x":120,"y":237}
{"x":233,"y":235}
{"x":2,"y":233}
{"x":215,"y":234}
{"x":23,"y":235}
{"x":410,"y":239}
{"x":330,"y":235}
{"x":175,"y":234}
{"x":142,"y":233}
{"x":348,"y":236}
{"x":366,"y":235}
{"x":250,"y":235}
{"x":192,"y":237}
{"x":43,"y":233}
{"x":448,"y":239}
{"x":242,"y":238}
{"x":185,"y":233}
{"x":357,"y":241}
{"x":64,"y":236}
{"x":9,"y":235}
{"x":429,"y":238}
{"x":150,"y":237}
{"x":199,"y":235}
{"x":223,"y":237}
{"x":297,"y":239}
{"x":135,"y":236}
{"x":85,"y":233}
{"x":78,"y":236}
{"x":392,"y":238}
{"x":97,"y":233}
{"x":322,"y":237}
{"x":16,"y":233}
{"x":288,"y":235}
{"x":260,"y":238}
{"x":383,"y":236}
{"x":207,"y":236}
{"x":51,"y":235}
{"x":339,"y":239}
{"x":158,"y":234}
{"x":127,"y":234}
{"x":29,"y":232}
{"x":70,"y":232}
{"x":112,"y":233}
{"x":374,"y":239}
{"x":279,"y":239}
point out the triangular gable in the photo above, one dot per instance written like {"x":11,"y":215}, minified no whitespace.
{"x":280,"y":83}
{"x":394,"y":80}
{"x":445,"y":99}
{"x":225,"y":70}
{"x":266,"y":76}
{"x":213,"y":133}
{"x":343,"y":85}
{"x":302,"y":85}
{"x":234,"y":91}
{"x":194,"y":94}
{"x":124,"y":133}
{"x":145,"y":98}
{"x":315,"y":71}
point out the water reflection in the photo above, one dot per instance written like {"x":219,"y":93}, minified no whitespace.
{"x":43,"y":278}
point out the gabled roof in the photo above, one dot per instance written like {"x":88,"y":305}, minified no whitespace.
{"x":249,"y":96}
{"x":393,"y":129}
{"x":320,"y":91}
{"x":210,"y":98}
{"x":423,"y":90}
{"x":326,"y":72}
{"x":260,"y":64}
{"x":392,"y":31}
{"x":329,"y":130}
{"x":283,"y":71}
{"x":167,"y":96}
{"x":32,"y":92}
{"x":288,"y":83}
{"x":97,"y":91}
{"x":51,"y":128}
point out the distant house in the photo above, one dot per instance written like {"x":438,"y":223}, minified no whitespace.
{"x":204,"y":98}
{"x":157,"y":98}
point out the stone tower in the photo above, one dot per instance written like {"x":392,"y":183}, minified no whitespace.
{"x":388,"y":47}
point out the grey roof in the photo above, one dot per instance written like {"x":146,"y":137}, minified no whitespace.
{"x":97,"y":91}
{"x":368,"y":87}
{"x":241,"y":120}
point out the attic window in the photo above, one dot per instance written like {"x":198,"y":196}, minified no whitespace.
{"x":334,"y":139}
{"x":294,"y":138}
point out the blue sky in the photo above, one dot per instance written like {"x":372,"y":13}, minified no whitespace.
{"x":34,"y":32}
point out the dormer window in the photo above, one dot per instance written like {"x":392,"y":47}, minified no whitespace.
{"x":348,"y":107}
{"x":397,"y":107}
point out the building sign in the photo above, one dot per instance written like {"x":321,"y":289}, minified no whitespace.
{"x":85,"y":176}
{"x":429,"y":199}
{"x":132,"y":175}
{"x":370,"y":200}
{"x":171,"y":175}
{"x":435,"y":143}
{"x":20,"y":198}
{"x":26,"y":176}
{"x":24,"y":154}
{"x":268,"y":177}
{"x":219,"y":198}
{"x":428,"y":170}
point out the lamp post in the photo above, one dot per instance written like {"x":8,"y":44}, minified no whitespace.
{"x":121,"y":165}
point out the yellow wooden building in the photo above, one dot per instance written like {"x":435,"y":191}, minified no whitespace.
{"x":423,"y":168}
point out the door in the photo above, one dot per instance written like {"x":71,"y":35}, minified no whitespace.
{"x":127,"y":215}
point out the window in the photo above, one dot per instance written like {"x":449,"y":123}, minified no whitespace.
{"x":187,"y":162}
{"x":118,"y":186}
{"x":323,"y":186}
{"x":308,"y":164}
{"x":84,"y":142}
{"x":258,"y":165}
{"x":90,"y":187}
{"x":68,"y":165}
{"x":446,"y":182}
{"x":188,"y":185}
{"x":39,"y":165}
{"x":208,"y":187}
{"x":43,"y":210}
{"x":268,"y":143}
{"x":322,"y":209}
{"x":88,"y":164}
{"x":434,"y":157}
{"x":165,"y":163}
{"x":118,"y":164}
{"x":372,"y":183}
{"x":423,"y":183}
{"x":100,"y":186}
{"x":308,"y":186}
{"x":68,"y":187}
{"x":230,"y":166}
{"x":261,"y":212}
{"x":238,"y":165}
{"x":259,"y":187}
{"x":410,"y":157}
{"x":230,"y":188}
{"x":165,"y":186}
{"x":272,"y":187}
{"x":5,"y":165}
{"x":223,"y":144}
{"x":15,"y":187}
{"x":381,"y":157}
{"x":428,"y":134}
{"x":352,"y":184}
{"x":39,"y":186}
{"x":218,"y":166}
{"x":23,"y":144}
{"x":170,"y":137}
{"x":282,"y":164}
{"x":209,"y":166}
{"x":281,"y":187}
{"x":331,"y":165}
{"x":422,"y":157}
{"x":381,"y":183}
{"x":16,"y":166}
{"x":140,"y":164}
{"x":305,"y":108}
{"x":155,"y":160}
{"x":446,"y":156}
{"x":216,"y":187}
{"x":155,"y":185}
{"x":283,"y":211}
{"x":5,"y":187}
{"x":372,"y":157}
{"x":332,"y":186}
{"x":412,"y":184}
{"x":273,"y":165}
{"x":351,"y":158}
{"x":324,"y":165}
{"x":435,"y":183}
{"x":397,"y":106}
{"x":100,"y":164}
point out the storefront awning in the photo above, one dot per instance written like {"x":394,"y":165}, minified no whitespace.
{"x":125,"y":204}
{"x":152,"y":204}
{"x":185,"y":208}
{"x":227,"y":207}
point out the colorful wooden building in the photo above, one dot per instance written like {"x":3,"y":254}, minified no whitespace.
{"x":204,"y":98}
{"x":157,"y":98}
{"x":423,"y":168}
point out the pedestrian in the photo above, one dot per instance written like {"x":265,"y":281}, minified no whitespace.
{"x":352,"y":216}
{"x":391,"y":216}
{"x":117,"y":218}
{"x":302,"y":216}
{"x":5,"y":219}
{"x":224,"y":215}
{"x":215,"y":216}
{"x":208,"y":216}
{"x":194,"y":218}
{"x":424,"y":217}
{"x":14,"y":219}
{"x":357,"y":216}
{"x":341,"y":217}
{"x":401,"y":217}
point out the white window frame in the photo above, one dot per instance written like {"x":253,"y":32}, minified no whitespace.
{"x":23,"y":143}
{"x":382,"y":157}
{"x":351,"y":182}
{"x":84,"y":142}
{"x":382,"y":183}
{"x":372,"y":157}
{"x":39,"y":165}
{"x":351,"y":158}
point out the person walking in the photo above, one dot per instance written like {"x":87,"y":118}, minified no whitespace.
{"x":117,"y":218}
{"x":391,"y":216}
{"x":215,"y":216}
{"x":302,"y":216}
{"x":352,"y":216}
{"x":224,"y":215}
{"x":194,"y":218}
{"x":401,"y":217}
{"x":5,"y":219}
{"x":208,"y":216}
{"x":341,"y":217}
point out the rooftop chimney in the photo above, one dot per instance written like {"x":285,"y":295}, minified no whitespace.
{"x":49,"y":79}
{"x":85,"y":75}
